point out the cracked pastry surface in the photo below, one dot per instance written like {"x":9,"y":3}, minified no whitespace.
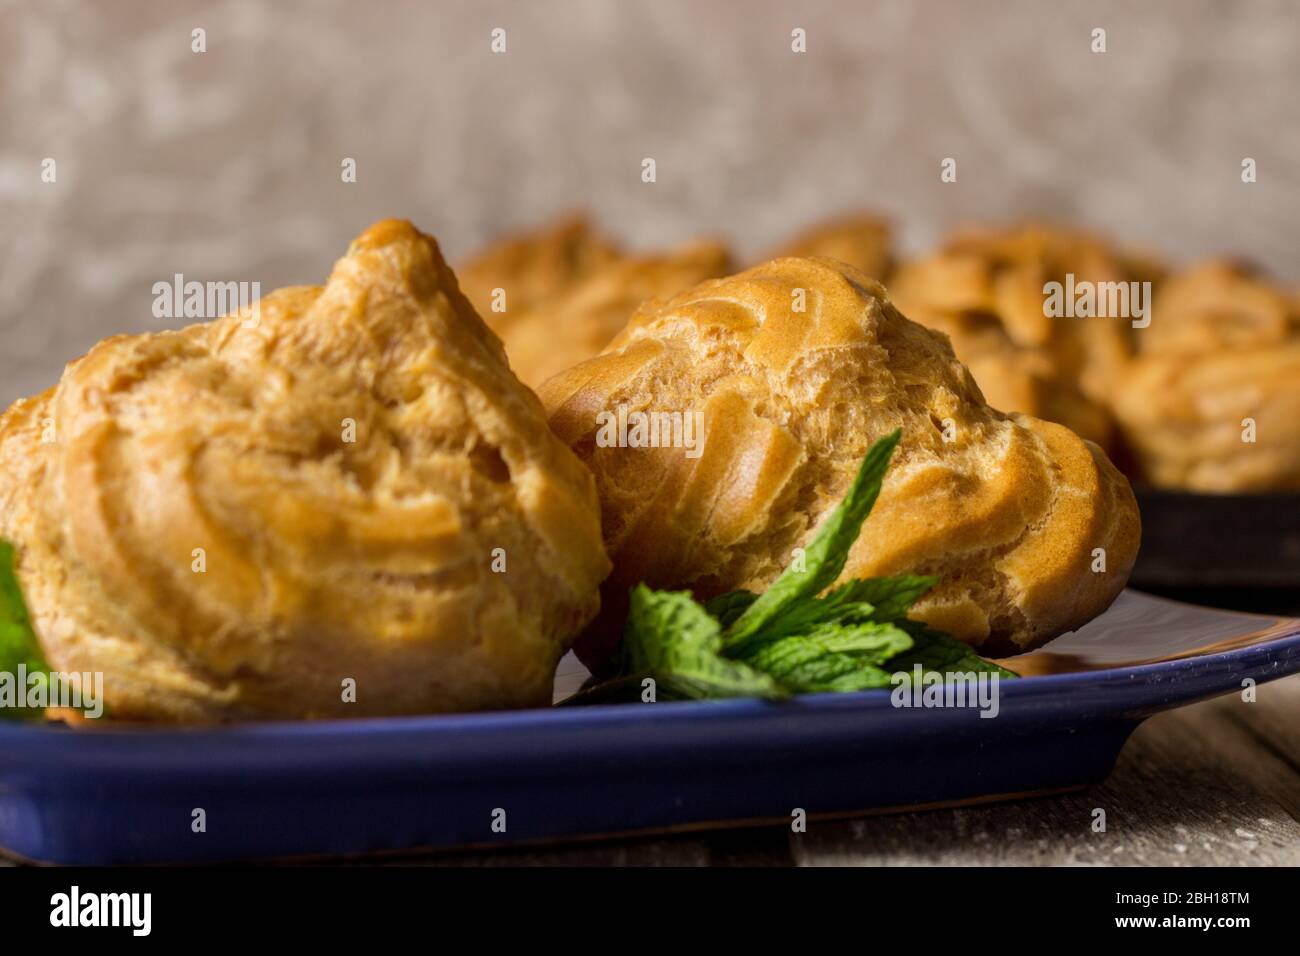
{"x":566,"y":291}
{"x":202,"y":530}
{"x":1008,"y":514}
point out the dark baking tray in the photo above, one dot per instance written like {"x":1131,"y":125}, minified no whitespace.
{"x":1239,"y":551}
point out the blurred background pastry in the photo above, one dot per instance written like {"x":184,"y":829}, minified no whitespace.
{"x":1008,"y":511}
{"x":1212,"y":402}
{"x":863,"y":240}
{"x":1219,"y":304}
{"x":1217,"y":422}
{"x":1001,"y":272}
{"x":535,"y":267}
{"x":235,"y":519}
{"x":557,"y":296}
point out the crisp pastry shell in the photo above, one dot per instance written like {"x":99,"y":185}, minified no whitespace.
{"x":205,"y":532}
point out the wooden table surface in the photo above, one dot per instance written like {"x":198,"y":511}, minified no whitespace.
{"x":1216,"y":783}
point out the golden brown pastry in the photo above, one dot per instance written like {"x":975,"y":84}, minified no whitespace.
{"x":1002,"y":272}
{"x":1218,"y":305}
{"x":1009,"y":514}
{"x":1226,"y":421}
{"x":565,"y":292}
{"x":576,"y":324}
{"x":1212,"y":403}
{"x":984,"y":289}
{"x":534,"y":267}
{"x":234,"y":519}
{"x":863,"y":241}
{"x":1013,"y":377}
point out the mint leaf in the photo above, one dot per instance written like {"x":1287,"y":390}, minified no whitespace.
{"x":873,"y":642}
{"x":858,"y":601}
{"x":889,"y":597}
{"x":788,"y":639}
{"x":936,"y":651}
{"x":832,"y":657}
{"x":672,"y":639}
{"x":806,"y":665}
{"x":727,"y":607}
{"x":826,"y":553}
{"x":18,"y":644}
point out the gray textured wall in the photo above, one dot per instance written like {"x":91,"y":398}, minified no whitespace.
{"x":225,"y":165}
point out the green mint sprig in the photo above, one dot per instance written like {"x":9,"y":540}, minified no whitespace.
{"x":791,"y":639}
{"x":18,"y":644}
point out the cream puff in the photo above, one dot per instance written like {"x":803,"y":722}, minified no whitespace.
{"x":339,"y":502}
{"x":791,"y":370}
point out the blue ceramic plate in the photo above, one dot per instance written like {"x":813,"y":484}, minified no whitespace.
{"x":352,"y":787}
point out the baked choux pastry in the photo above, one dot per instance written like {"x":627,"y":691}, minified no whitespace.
{"x":578,"y":323}
{"x":339,"y":503}
{"x":1212,"y":403}
{"x":535,"y":267}
{"x":1218,"y":305}
{"x":789,"y":371}
{"x":863,"y":241}
{"x":1218,"y":422}
{"x":1003,"y":272}
{"x":1013,"y":378}
{"x":557,"y":297}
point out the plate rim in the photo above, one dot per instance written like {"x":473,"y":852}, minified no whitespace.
{"x":293,"y":731}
